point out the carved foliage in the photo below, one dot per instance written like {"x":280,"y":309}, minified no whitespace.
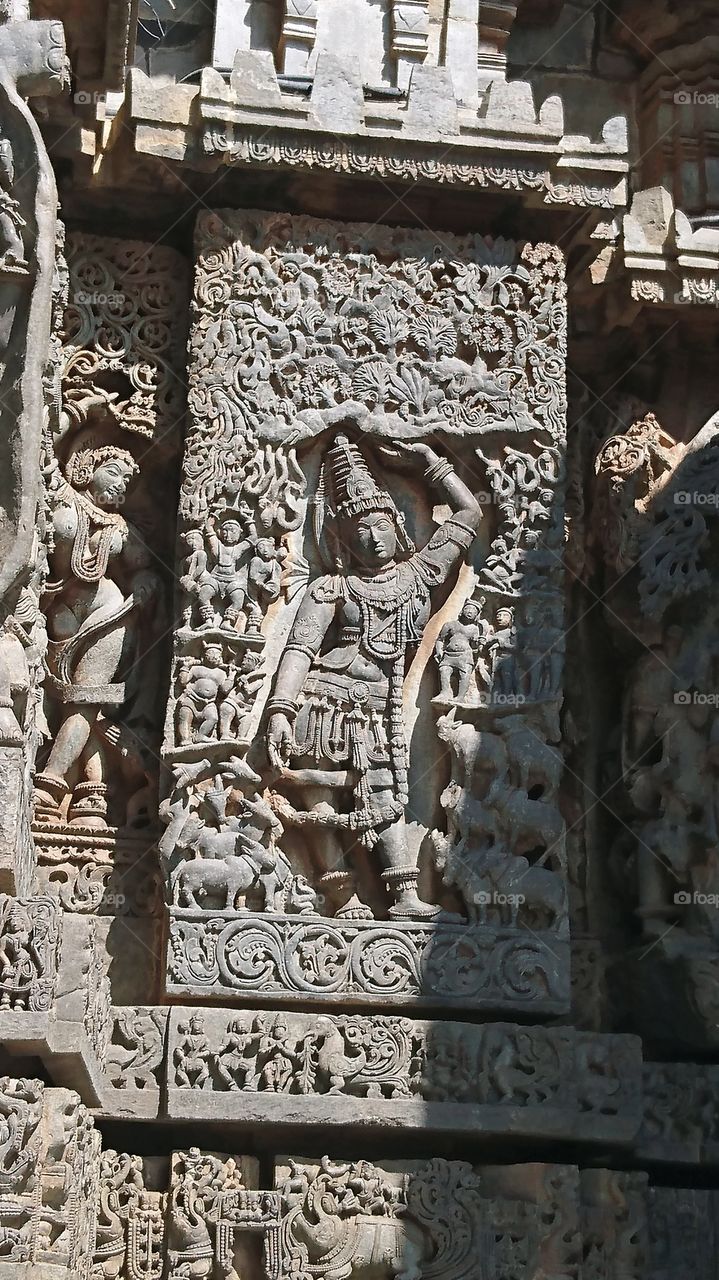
{"x":462,"y":336}
{"x":121,"y":333}
{"x":334,"y":960}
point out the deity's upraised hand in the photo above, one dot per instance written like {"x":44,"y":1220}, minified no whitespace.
{"x":403,"y":450}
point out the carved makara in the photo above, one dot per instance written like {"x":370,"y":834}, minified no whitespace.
{"x":210,"y":1199}
{"x":345,"y":1220}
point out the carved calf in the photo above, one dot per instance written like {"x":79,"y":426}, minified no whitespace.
{"x":533,"y":763}
{"x":231,"y":876}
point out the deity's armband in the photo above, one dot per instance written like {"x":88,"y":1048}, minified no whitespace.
{"x":456,"y":531}
{"x":314,"y":617}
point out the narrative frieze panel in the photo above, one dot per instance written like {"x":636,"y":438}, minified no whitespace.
{"x":367,"y":674}
{"x":247,"y":1067}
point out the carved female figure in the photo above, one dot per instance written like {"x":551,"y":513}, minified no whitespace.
{"x":12,"y":250}
{"x":336,"y":713}
{"x":99,"y":583}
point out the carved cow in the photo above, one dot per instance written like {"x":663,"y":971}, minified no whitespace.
{"x":232,"y":876}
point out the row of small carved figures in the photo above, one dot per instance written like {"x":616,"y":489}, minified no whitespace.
{"x":376,"y":1060}
{"x":502,"y":657}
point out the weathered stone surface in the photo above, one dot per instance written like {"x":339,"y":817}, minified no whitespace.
{"x":32,"y":56}
{"x":680,"y":1122}
{"x":402,"y":1073}
{"x":406,"y":965}
{"x":314,"y":642}
{"x":51,"y":1180}
{"x":438,"y":678}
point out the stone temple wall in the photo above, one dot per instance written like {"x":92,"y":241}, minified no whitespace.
{"x":359,"y":470}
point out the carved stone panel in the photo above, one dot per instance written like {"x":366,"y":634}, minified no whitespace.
{"x":50,"y":1155}
{"x":32,"y":63}
{"x":653,"y":531}
{"x":119,"y":399}
{"x":29,"y":953}
{"x":442,"y":1219}
{"x":268,"y":1067}
{"x":367,"y":671}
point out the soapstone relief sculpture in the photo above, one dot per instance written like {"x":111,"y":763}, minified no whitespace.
{"x":12,"y":222}
{"x":369,"y":827}
{"x":392,"y":1058}
{"x":345,"y":1219}
{"x":104,"y":595}
{"x":656,"y":497}
{"x":337,"y":712}
{"x":314,"y":596}
{"x":100,"y":590}
{"x":457,"y":651}
{"x":29,"y":946}
{"x":34,"y":65}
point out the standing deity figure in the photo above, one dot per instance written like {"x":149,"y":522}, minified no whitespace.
{"x":99,"y":587}
{"x":335,"y":717}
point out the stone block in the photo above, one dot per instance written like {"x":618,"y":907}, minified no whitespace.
{"x":337,"y":100}
{"x":431,"y":104}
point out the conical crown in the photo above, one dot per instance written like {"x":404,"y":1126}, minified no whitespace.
{"x":352,"y":486}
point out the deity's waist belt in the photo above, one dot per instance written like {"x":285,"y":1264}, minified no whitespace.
{"x":347,"y":691}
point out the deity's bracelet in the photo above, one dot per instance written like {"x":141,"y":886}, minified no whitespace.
{"x":282,"y":707}
{"x":439,"y":470}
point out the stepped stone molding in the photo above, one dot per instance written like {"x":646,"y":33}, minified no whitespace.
{"x":249,"y":121}
{"x":71,"y":1208}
